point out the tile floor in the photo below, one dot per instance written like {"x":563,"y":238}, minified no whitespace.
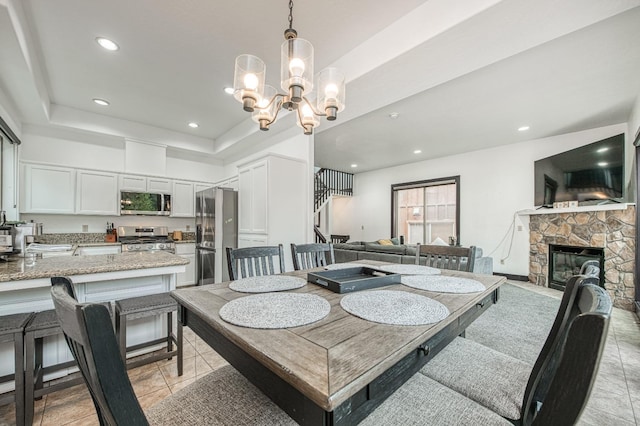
{"x":615,"y":398}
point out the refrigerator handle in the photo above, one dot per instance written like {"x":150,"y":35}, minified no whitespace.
{"x":198,"y":233}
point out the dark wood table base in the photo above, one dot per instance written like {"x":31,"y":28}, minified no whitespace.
{"x":357,"y":407}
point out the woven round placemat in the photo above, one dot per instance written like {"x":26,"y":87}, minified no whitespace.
{"x":403,"y":269}
{"x":443,"y":284}
{"x":267,"y":283}
{"x":394,"y":307}
{"x":275,"y":310}
{"x":335,"y":266}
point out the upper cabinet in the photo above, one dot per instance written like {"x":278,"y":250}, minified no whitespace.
{"x":134,"y":183}
{"x":252,"y":197}
{"x":183,"y":201}
{"x":272,"y":199}
{"x":97,"y":193}
{"x":65,"y":190}
{"x":47,"y":189}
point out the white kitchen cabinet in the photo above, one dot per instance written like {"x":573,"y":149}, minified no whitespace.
{"x":233,"y":183}
{"x":200,"y":186}
{"x":47,"y":189}
{"x":135,"y":183}
{"x":252,"y":197}
{"x":252,"y":240}
{"x":188,"y":277}
{"x":273,"y":202}
{"x":97,"y":193}
{"x":159,"y":185}
{"x":183,"y":200}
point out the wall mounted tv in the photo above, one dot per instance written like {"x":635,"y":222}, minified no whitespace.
{"x":590,"y":174}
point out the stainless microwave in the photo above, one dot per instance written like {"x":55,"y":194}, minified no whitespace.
{"x":145,"y":203}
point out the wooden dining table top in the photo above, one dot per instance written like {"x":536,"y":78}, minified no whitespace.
{"x":330,"y":360}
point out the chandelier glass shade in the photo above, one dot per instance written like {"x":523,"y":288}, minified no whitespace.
{"x":297,"y":82}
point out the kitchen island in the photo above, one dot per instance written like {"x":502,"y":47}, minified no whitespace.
{"x":96,"y":278}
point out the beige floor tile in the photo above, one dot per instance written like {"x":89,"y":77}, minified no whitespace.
{"x":7,"y":414}
{"x":148,"y":382}
{"x":214,"y":360}
{"x":152,"y":398}
{"x":191,"y":368}
{"x":91,"y":420}
{"x":71,"y":407}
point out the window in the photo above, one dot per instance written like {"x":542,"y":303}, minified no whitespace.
{"x":426,"y":210}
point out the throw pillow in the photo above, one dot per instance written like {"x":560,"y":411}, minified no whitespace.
{"x":385,"y":242}
{"x":395,"y":241}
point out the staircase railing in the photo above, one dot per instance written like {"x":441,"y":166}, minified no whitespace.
{"x":330,"y":182}
{"x":319,"y":237}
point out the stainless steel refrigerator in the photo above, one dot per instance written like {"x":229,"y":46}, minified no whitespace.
{"x":216,"y":229}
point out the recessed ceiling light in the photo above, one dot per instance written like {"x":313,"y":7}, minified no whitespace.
{"x":228,"y":90}
{"x":101,"y":101}
{"x":193,"y":125}
{"x":417,"y":151}
{"x":394,"y":115}
{"x":523,"y":128}
{"x":107,"y":44}
{"x":354,"y":165}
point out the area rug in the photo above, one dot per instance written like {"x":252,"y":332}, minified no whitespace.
{"x":517,"y":325}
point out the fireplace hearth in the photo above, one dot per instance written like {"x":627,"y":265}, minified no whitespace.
{"x":566,"y":261}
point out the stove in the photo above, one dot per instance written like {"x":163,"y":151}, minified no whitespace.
{"x":145,"y":238}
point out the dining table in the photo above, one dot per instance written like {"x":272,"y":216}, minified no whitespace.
{"x":339,"y":368}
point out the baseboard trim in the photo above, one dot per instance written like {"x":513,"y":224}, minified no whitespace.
{"x":513,"y":277}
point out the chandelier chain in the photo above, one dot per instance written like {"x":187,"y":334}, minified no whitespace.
{"x":290,"y":14}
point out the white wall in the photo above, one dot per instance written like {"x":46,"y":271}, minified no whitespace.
{"x":494,"y":185}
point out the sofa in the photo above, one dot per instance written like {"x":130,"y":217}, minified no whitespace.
{"x":396,"y":253}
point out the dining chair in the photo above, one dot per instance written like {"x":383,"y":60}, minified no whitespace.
{"x":255,"y":261}
{"x":307,"y":256}
{"x":211,"y":400}
{"x":553,"y":391}
{"x":590,"y":268}
{"x":446,"y":257}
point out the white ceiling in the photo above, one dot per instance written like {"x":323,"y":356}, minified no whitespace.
{"x":463,"y":75}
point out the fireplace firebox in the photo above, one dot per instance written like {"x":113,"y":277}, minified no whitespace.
{"x":565,"y":261}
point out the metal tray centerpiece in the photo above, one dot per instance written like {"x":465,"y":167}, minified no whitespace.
{"x":347,"y":280}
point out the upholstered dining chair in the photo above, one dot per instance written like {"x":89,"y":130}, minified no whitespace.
{"x":211,"y":400}
{"x":590,"y":268}
{"x":255,"y":261}
{"x":307,"y":256}
{"x":446,"y":257}
{"x":555,"y":390}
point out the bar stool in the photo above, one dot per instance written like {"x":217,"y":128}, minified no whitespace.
{"x":142,"y":307}
{"x":12,"y":330}
{"x":42,"y":324}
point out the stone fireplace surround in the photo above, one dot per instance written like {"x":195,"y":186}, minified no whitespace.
{"x":610,"y":227}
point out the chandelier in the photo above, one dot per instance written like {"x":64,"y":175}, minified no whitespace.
{"x":296,"y":79}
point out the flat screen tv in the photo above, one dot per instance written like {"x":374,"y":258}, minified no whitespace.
{"x":590,"y":174}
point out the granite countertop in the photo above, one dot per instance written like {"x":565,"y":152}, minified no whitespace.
{"x":184,"y":241}
{"x":16,"y":270}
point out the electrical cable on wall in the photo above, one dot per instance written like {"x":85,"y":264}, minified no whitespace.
{"x":510,"y":231}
